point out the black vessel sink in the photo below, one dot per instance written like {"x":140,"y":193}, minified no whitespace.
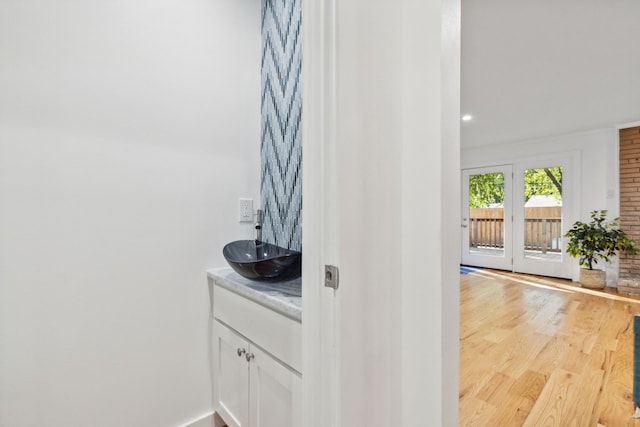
{"x":263,"y":261}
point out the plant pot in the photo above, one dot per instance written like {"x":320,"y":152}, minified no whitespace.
{"x":592,"y":279}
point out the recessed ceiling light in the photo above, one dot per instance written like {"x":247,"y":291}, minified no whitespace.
{"x":467,"y":117}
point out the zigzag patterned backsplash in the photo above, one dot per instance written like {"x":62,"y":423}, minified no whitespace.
{"x":281,"y":145}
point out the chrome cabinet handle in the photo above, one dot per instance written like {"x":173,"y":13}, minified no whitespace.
{"x":249,"y":356}
{"x":241,"y":351}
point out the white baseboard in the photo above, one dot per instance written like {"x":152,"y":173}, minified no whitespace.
{"x":209,"y":420}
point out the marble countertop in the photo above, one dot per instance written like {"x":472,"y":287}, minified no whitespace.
{"x":283,"y":297}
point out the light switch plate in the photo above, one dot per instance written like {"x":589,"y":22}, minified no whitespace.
{"x":245,"y":210}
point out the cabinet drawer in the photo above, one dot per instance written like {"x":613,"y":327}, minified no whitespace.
{"x":273,"y":332}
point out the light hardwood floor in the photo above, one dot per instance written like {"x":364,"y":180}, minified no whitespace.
{"x":537,"y":351}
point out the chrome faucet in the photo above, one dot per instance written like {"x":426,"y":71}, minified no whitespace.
{"x":258,"y":215}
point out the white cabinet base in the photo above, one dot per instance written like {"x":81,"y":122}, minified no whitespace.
{"x":274,"y":393}
{"x":232,"y":376}
{"x":254,"y":352}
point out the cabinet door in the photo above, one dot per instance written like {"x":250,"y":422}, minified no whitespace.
{"x":231,"y":370}
{"x":275,"y":392}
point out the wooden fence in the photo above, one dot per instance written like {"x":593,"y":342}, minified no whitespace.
{"x":543,"y":228}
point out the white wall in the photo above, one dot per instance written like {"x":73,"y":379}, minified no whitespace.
{"x":128,"y":130}
{"x":598,"y":180}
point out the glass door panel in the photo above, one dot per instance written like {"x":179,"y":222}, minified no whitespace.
{"x":486,"y":230}
{"x":543,"y":206}
{"x":543,"y":214}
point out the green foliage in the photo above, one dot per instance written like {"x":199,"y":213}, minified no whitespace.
{"x":547,"y":181}
{"x":598,"y":240}
{"x":486,"y":189}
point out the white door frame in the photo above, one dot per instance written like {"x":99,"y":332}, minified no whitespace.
{"x":418,"y":92}
{"x":320,"y":333}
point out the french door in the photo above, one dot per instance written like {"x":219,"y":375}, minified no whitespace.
{"x":487,"y":224}
{"x":515,"y":216}
{"x":544,"y":209}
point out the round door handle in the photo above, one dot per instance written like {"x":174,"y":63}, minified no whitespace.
{"x":249,"y":356}
{"x":241,"y":351}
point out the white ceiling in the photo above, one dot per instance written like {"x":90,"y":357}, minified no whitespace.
{"x":536,"y":68}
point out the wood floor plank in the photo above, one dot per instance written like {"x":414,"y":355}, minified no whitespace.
{"x":478,"y":413}
{"x":537,"y":351}
{"x":552,"y":408}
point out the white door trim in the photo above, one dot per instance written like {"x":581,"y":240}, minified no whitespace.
{"x":413,"y":351}
{"x":320,"y":336}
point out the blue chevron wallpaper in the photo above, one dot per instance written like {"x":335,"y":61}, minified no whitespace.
{"x":281,"y":148}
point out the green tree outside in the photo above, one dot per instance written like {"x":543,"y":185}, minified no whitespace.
{"x":487,"y":189}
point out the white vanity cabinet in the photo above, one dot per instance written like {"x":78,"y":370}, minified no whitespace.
{"x":257,"y":363}
{"x":231,"y":376}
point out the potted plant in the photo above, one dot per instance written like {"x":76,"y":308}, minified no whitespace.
{"x":599,"y":240}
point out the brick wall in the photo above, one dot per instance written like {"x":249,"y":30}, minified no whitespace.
{"x":629,"y":272}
